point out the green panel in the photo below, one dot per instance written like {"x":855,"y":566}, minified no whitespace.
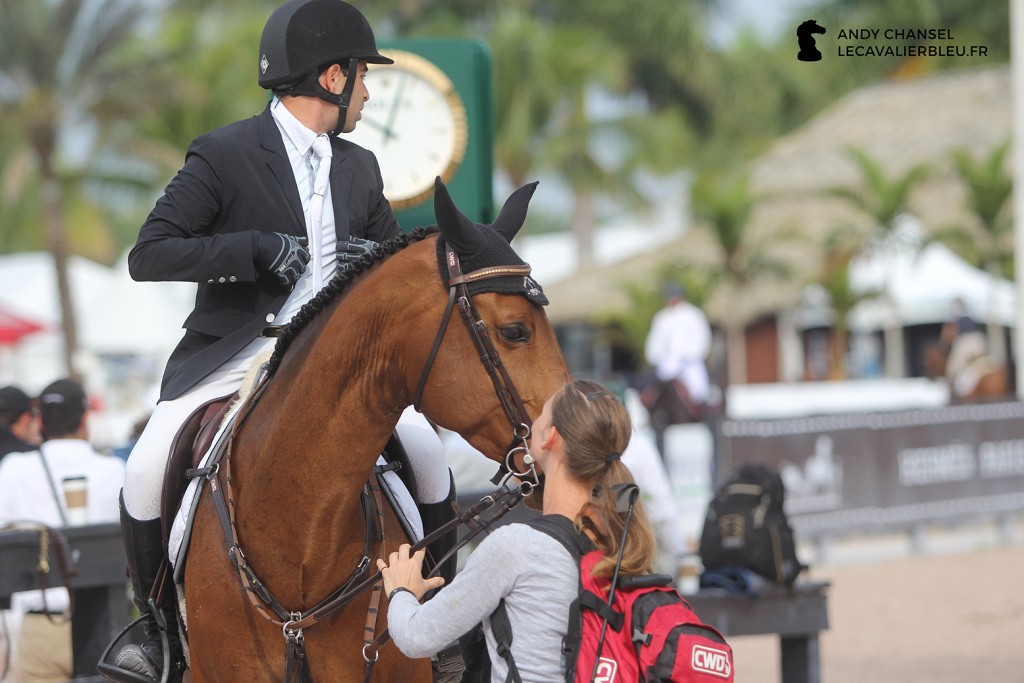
{"x":468,"y":64}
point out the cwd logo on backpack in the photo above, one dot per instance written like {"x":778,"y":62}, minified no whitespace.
{"x":606,"y":670}
{"x":711,"y":661}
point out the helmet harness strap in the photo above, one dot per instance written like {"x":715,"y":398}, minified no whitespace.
{"x":311,"y":87}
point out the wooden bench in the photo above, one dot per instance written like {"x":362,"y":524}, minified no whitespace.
{"x":796,"y":614}
{"x":100,"y":586}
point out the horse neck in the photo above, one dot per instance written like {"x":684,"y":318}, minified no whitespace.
{"x":311,"y":441}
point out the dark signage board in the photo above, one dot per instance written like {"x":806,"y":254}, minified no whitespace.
{"x":858,"y":472}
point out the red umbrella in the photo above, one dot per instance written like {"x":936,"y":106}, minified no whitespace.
{"x":13,"y":328}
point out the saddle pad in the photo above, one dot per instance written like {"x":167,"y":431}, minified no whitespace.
{"x":408,"y":513}
{"x":181,"y":528}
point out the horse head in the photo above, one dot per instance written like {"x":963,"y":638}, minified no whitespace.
{"x":508,"y":305}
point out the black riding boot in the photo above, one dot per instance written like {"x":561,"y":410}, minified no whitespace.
{"x":436,"y":515}
{"x":143,"y":545}
{"x":447,"y":666}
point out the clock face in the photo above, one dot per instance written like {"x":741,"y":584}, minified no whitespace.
{"x":415,"y":123}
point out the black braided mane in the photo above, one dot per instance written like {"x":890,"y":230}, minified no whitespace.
{"x":338,"y":284}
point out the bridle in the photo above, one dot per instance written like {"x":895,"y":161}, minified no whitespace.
{"x":293,"y":623}
{"x":511,"y":403}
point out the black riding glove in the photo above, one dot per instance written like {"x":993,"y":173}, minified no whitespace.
{"x":283,"y":256}
{"x":353,"y":249}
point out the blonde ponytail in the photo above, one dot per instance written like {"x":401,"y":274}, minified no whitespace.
{"x":596,"y":428}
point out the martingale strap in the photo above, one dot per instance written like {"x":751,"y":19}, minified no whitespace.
{"x":478,"y":518}
{"x":370,"y":628}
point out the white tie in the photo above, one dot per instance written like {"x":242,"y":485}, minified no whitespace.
{"x":322,"y":149}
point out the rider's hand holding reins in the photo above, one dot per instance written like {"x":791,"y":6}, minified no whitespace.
{"x":353,"y":249}
{"x":405,"y":571}
{"x":283,"y":256}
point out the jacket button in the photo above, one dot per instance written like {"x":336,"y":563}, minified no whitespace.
{"x":270,"y":317}
{"x":232,"y":279}
{"x":222,"y":280}
{"x":210,"y":281}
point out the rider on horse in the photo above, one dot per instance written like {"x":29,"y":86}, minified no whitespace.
{"x":237,"y":220}
{"x":965,"y":344}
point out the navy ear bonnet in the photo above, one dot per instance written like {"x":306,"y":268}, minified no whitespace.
{"x":486,"y":246}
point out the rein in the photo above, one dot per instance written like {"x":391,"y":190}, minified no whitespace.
{"x":477,"y":518}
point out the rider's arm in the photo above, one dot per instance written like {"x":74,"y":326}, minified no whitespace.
{"x":176,"y":241}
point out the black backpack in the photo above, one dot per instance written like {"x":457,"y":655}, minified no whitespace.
{"x":747,"y":527}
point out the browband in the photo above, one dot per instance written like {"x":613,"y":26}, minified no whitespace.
{"x":486,"y":273}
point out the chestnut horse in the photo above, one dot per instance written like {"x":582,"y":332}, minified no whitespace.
{"x":991,"y":379}
{"x":353,"y":362}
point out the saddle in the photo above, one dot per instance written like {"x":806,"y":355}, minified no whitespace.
{"x":191,"y":442}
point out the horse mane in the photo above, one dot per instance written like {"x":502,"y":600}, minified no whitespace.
{"x":336,"y":286}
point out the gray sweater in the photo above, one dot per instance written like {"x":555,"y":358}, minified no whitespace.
{"x":533,"y":573}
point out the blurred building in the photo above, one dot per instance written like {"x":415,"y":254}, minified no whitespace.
{"x":897,"y":123}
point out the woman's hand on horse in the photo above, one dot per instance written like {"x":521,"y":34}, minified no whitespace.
{"x":403,"y":570}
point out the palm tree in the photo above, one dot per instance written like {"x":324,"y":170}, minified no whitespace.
{"x":63,"y":64}
{"x":841,"y":249}
{"x":746,"y":261}
{"x":988,"y":243}
{"x":883,"y":201}
{"x":525,"y":90}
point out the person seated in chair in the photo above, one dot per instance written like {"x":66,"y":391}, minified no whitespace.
{"x":64,"y":482}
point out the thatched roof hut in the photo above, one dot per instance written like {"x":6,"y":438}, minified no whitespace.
{"x":898,"y":123}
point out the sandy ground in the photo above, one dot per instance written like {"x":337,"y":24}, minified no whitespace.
{"x":950,"y":611}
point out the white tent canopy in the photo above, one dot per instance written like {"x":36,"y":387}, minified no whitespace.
{"x":922,"y":282}
{"x":116,"y":316}
{"x":923,"y":285}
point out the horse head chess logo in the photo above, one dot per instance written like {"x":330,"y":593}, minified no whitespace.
{"x":805,"y":38}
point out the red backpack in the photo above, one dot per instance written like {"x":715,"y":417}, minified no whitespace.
{"x":653,"y":636}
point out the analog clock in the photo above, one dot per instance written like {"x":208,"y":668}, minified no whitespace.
{"x":415,"y":123}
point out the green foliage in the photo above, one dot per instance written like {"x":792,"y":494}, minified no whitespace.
{"x":988,"y":242}
{"x":144,"y":79}
{"x":878,"y":197}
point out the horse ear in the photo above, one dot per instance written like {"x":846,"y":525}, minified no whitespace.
{"x":457,"y":229}
{"x":513,"y":214}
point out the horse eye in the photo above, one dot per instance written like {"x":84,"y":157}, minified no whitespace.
{"x":516,"y":332}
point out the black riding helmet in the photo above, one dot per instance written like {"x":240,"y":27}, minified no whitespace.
{"x":301,"y":36}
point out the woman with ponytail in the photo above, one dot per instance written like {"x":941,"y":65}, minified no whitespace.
{"x":578,"y":441}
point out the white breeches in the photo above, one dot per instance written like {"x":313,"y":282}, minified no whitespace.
{"x":144,"y":472}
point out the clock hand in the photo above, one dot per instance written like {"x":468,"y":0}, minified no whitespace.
{"x":389,"y":131}
{"x":373,"y":123}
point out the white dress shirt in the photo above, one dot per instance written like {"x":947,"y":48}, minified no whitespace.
{"x":298,"y":142}
{"x":26,"y":495}
{"x":678,"y":343}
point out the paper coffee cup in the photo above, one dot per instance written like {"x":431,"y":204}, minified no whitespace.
{"x":76,"y":494}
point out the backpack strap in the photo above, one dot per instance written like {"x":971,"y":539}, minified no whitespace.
{"x":563,"y":530}
{"x":501,"y":627}
{"x":595,"y":604}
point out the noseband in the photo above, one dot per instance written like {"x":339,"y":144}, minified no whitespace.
{"x":511,"y":403}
